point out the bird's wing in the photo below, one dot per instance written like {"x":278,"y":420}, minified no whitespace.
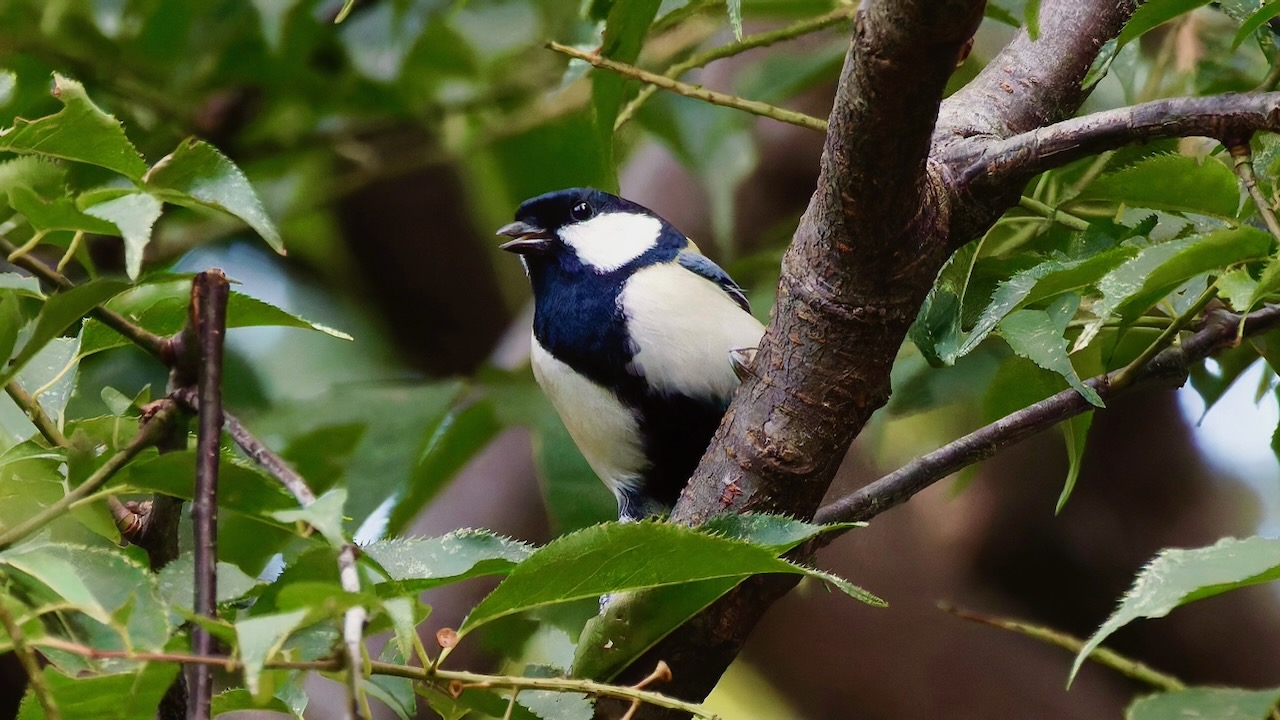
{"x":702,"y":266}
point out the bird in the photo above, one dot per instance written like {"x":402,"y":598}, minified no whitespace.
{"x":639,"y":340}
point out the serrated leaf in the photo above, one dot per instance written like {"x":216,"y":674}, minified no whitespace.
{"x":1253,"y":22}
{"x":622,"y":557}
{"x":59,"y":213}
{"x":1177,"y":577}
{"x":413,"y":565}
{"x":134,"y":215}
{"x":1177,"y":183}
{"x":1205,"y":703}
{"x":80,"y":132}
{"x":118,"y":696}
{"x":1037,"y":335}
{"x":1154,"y":13}
{"x":1132,"y":288}
{"x":1238,"y":288}
{"x":259,"y":638}
{"x":241,"y":488}
{"x":196,"y":173}
{"x":60,"y":312}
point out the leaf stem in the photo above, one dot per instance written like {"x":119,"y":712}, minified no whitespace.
{"x":31,"y":664}
{"x":153,"y":429}
{"x":1053,"y":214}
{"x":47,"y":427}
{"x":695,"y":91}
{"x":1242,"y":163}
{"x":751,"y":42}
{"x":1164,"y":339}
{"x":1108,"y":658}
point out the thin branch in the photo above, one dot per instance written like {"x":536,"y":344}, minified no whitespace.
{"x":209,"y":293}
{"x":143,"y":338}
{"x":1053,"y":214}
{"x":1242,"y":163}
{"x":694,"y":91}
{"x":430,"y":675}
{"x":47,"y":427}
{"x":1169,"y":367}
{"x":1107,"y":658}
{"x":1223,"y":117}
{"x":750,"y":42}
{"x":1131,"y":372}
{"x":352,"y":633}
{"x":30,"y":663}
{"x":154,"y":426}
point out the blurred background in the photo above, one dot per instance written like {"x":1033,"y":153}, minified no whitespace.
{"x":388,"y":147}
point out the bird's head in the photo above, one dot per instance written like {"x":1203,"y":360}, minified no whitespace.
{"x":587,"y":230}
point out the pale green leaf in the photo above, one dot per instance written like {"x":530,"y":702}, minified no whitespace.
{"x":259,"y":638}
{"x":1264,"y":14}
{"x":325,"y":515}
{"x":1038,"y":336}
{"x":412,"y":565}
{"x":1177,"y":183}
{"x":1177,"y":576}
{"x":134,"y":214}
{"x":118,"y":696}
{"x":1205,"y":703}
{"x":59,"y":313}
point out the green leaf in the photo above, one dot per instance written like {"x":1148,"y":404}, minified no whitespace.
{"x":455,"y":440}
{"x":1031,"y":18}
{"x":241,"y":487}
{"x":1135,"y":286}
{"x":1177,"y":183}
{"x":160,"y":306}
{"x":196,"y":174}
{"x":1255,"y":21}
{"x":632,"y":624}
{"x":624,"y":33}
{"x":325,"y":515}
{"x":59,"y":213}
{"x":1075,"y":432}
{"x":1001,"y":15}
{"x":176,"y":578}
{"x":1238,"y":288}
{"x":118,"y":696}
{"x":1205,"y":703}
{"x":1037,"y":335}
{"x":1212,"y":382}
{"x":937,"y":330}
{"x":259,"y":638}
{"x":620,"y":557}
{"x":1177,"y":576}
{"x":60,"y":312}
{"x":735,"y":18}
{"x":1154,"y":13}
{"x":80,"y":132}
{"x":412,"y":565}
{"x":134,"y":214}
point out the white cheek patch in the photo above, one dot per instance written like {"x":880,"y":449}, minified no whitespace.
{"x":607,"y":242}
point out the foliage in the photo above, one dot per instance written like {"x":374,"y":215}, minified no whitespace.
{"x":106,"y":137}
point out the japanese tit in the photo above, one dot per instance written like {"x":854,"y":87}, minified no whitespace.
{"x":633,"y":334}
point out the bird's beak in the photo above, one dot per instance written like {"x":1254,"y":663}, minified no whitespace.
{"x":528,"y":239}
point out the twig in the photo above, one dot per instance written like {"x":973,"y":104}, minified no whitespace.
{"x":750,"y":42}
{"x":1053,"y":213}
{"x":145,"y":339}
{"x":430,"y":675}
{"x":154,"y":426}
{"x":1108,"y":658}
{"x":352,"y":633}
{"x":1219,"y":332}
{"x":27,"y":658}
{"x":694,"y":91}
{"x":1242,"y":163}
{"x":47,"y":427}
{"x":1133,"y":370}
{"x":1223,"y":117}
{"x":209,"y":293}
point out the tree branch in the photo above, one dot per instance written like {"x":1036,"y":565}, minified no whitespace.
{"x":1168,"y":368}
{"x":1223,"y":117}
{"x":209,"y":293}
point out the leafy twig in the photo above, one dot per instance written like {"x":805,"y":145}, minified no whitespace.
{"x":694,"y":91}
{"x":1108,"y":658}
{"x":1052,"y":213}
{"x":751,"y":42}
{"x":209,"y":294}
{"x":460,"y":678}
{"x":29,"y":662}
{"x":1131,"y":371}
{"x":154,"y":426}
{"x":47,"y":427}
{"x":1169,"y":366}
{"x":143,"y":338}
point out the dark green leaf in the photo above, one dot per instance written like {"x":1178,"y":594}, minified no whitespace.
{"x":1177,"y":576}
{"x":118,"y":696}
{"x":1075,"y":432}
{"x":1176,"y":183}
{"x":624,"y":34}
{"x":619,"y":557}
{"x":80,"y":132}
{"x":59,"y":213}
{"x":196,"y":174}
{"x":1037,"y":335}
{"x":60,"y":312}
{"x":1205,"y":703}
{"x":1255,"y":21}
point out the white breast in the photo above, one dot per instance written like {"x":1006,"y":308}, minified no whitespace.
{"x":603,"y":428}
{"x":684,"y":326}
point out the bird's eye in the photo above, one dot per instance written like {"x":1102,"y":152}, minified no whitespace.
{"x":581,"y":211}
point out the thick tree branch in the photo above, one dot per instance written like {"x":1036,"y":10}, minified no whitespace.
{"x":1168,"y":368}
{"x":1223,"y":117}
